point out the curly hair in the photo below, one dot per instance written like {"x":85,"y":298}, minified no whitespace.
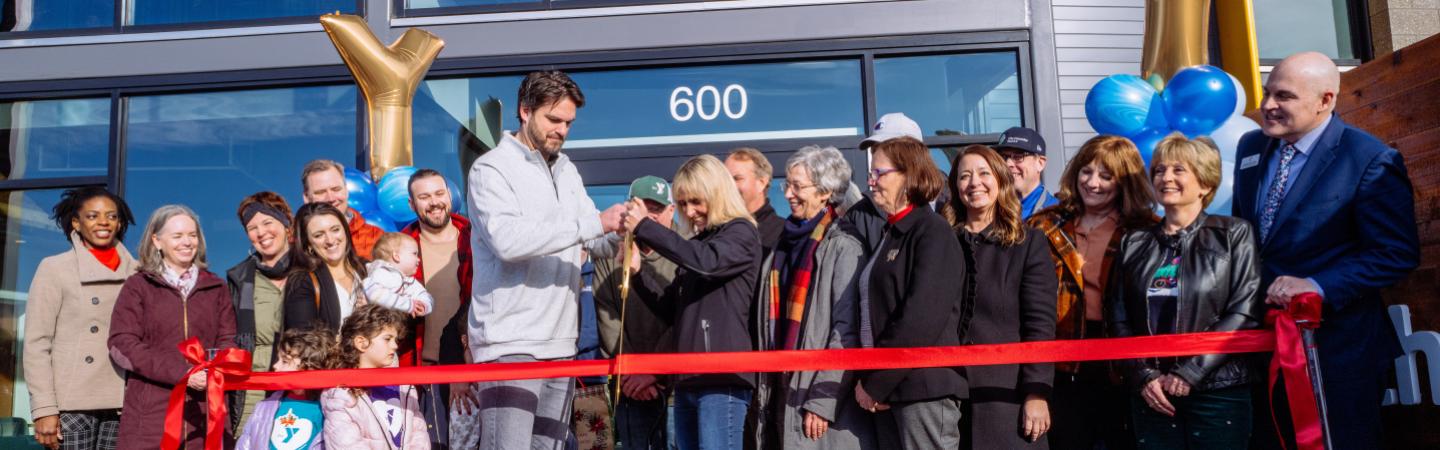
{"x":311,"y":346}
{"x":368,"y":321}
{"x":68,"y":209}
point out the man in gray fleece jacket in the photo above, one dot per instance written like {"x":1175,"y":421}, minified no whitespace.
{"x":531,"y":217}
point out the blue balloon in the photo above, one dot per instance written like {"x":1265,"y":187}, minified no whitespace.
{"x":380,"y":221}
{"x":1199,"y":100}
{"x":362,"y":190}
{"x":1146,"y":140}
{"x":393,"y":198}
{"x":457,"y":198}
{"x":1124,"y":105}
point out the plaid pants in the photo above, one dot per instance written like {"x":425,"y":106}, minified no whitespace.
{"x":89,"y":430}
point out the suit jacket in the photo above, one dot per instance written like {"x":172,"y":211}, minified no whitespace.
{"x":1348,"y":222}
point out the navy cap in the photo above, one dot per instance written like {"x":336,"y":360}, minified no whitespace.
{"x":1022,"y":139}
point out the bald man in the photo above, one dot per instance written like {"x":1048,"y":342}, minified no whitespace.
{"x":1336,"y":216}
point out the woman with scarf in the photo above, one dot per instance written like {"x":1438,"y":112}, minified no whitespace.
{"x":67,"y":318}
{"x":172,"y":299}
{"x":257,"y":286}
{"x":807,"y":301}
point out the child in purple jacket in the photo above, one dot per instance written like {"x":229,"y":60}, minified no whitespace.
{"x":291,"y":419}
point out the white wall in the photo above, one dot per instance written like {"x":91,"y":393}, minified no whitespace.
{"x":1093,"y":39}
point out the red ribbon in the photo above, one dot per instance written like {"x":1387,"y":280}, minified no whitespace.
{"x":228,"y":362}
{"x":1290,"y":363}
{"x":1284,"y":341}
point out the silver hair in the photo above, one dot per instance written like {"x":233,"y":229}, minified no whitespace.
{"x":827,"y":168}
{"x":150,"y":258}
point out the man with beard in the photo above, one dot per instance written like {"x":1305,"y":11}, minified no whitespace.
{"x":753,"y":173}
{"x":444,"y":241}
{"x":531,"y":216}
{"x":323,"y":181}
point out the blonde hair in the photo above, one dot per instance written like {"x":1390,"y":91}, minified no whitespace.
{"x":388,"y":246}
{"x":1200,"y":154}
{"x":150,"y":258}
{"x":705,"y":177}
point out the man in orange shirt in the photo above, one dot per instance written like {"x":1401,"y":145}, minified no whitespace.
{"x":323,"y":181}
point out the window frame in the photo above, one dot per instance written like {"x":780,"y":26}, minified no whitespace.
{"x":652,"y":158}
{"x":118,"y":27}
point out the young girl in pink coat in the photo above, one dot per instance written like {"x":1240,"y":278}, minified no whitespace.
{"x":382,"y":417}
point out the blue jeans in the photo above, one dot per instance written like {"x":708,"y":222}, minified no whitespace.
{"x":710,"y":418}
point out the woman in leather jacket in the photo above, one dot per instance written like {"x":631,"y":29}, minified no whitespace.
{"x":1191,"y":273}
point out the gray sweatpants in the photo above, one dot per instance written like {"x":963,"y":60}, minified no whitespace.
{"x":525,"y":414}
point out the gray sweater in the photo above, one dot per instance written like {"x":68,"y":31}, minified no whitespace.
{"x":530,"y":221}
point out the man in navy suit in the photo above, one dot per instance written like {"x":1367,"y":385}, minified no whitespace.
{"x":1336,"y":216}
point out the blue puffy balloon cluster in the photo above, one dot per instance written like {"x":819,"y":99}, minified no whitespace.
{"x":386,"y":204}
{"x":1196,"y":101}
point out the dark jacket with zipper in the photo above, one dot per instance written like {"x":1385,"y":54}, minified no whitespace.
{"x":150,"y":321}
{"x":1219,"y":291}
{"x":241,"y":283}
{"x":710,"y":299}
{"x":914,"y":300}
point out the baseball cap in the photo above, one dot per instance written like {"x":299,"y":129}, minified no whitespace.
{"x":891,"y":126}
{"x":651,"y":188}
{"x":1022,"y":139}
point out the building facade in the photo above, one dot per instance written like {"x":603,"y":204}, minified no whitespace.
{"x":175,"y":102}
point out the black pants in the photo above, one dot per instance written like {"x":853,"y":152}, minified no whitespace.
{"x":435,"y":405}
{"x":1219,"y":419}
{"x":1088,"y":412}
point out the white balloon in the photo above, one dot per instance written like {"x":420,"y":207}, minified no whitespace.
{"x":1240,"y":102}
{"x":1227,"y":138}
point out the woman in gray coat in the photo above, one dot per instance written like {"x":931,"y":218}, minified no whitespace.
{"x":807,"y":301}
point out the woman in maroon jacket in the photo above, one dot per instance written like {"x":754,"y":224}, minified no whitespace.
{"x":171,"y":299}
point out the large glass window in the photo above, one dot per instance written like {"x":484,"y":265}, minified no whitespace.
{"x":1283,"y":28}
{"x":209,"y":150}
{"x":163,"y":12}
{"x":975,"y":93}
{"x":46,"y":15}
{"x":29,"y":236}
{"x":54,"y":138}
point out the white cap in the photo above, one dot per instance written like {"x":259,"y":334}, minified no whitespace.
{"x":892,"y":126}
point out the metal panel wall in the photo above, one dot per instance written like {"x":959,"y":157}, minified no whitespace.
{"x":1093,"y":39}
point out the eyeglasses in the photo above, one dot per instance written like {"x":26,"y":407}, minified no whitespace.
{"x":1014,"y":156}
{"x":875,"y":174}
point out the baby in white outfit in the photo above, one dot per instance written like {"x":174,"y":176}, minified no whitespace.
{"x":391,"y":282}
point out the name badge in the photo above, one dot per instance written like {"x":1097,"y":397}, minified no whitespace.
{"x":1249,"y":161}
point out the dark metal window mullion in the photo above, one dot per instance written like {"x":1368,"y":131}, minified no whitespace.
{"x":119,"y":120}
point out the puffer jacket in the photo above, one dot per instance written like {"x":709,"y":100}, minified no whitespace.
{"x":1219,"y":291}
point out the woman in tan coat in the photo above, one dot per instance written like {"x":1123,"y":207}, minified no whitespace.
{"x":67,"y":320}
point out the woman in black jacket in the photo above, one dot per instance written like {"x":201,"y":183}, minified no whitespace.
{"x":1011,"y":299}
{"x":257,"y":286}
{"x":908,"y":299}
{"x":324,"y":286}
{"x":1190,"y":273}
{"x":710,"y":298}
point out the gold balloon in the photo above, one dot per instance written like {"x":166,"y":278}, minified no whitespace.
{"x":1177,"y":34}
{"x":388,"y":77}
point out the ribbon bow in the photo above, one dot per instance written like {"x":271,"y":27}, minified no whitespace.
{"x":1290,"y":360}
{"x":233,"y":362}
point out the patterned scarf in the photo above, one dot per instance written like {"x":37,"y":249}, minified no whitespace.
{"x":799,"y":288}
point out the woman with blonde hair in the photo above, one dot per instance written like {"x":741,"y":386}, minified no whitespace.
{"x":709,"y":298}
{"x":1103,"y":195}
{"x":172,"y":299}
{"x":1010,"y":298}
{"x":1190,"y":273}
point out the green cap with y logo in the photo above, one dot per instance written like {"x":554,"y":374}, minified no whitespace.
{"x":651,"y":188}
